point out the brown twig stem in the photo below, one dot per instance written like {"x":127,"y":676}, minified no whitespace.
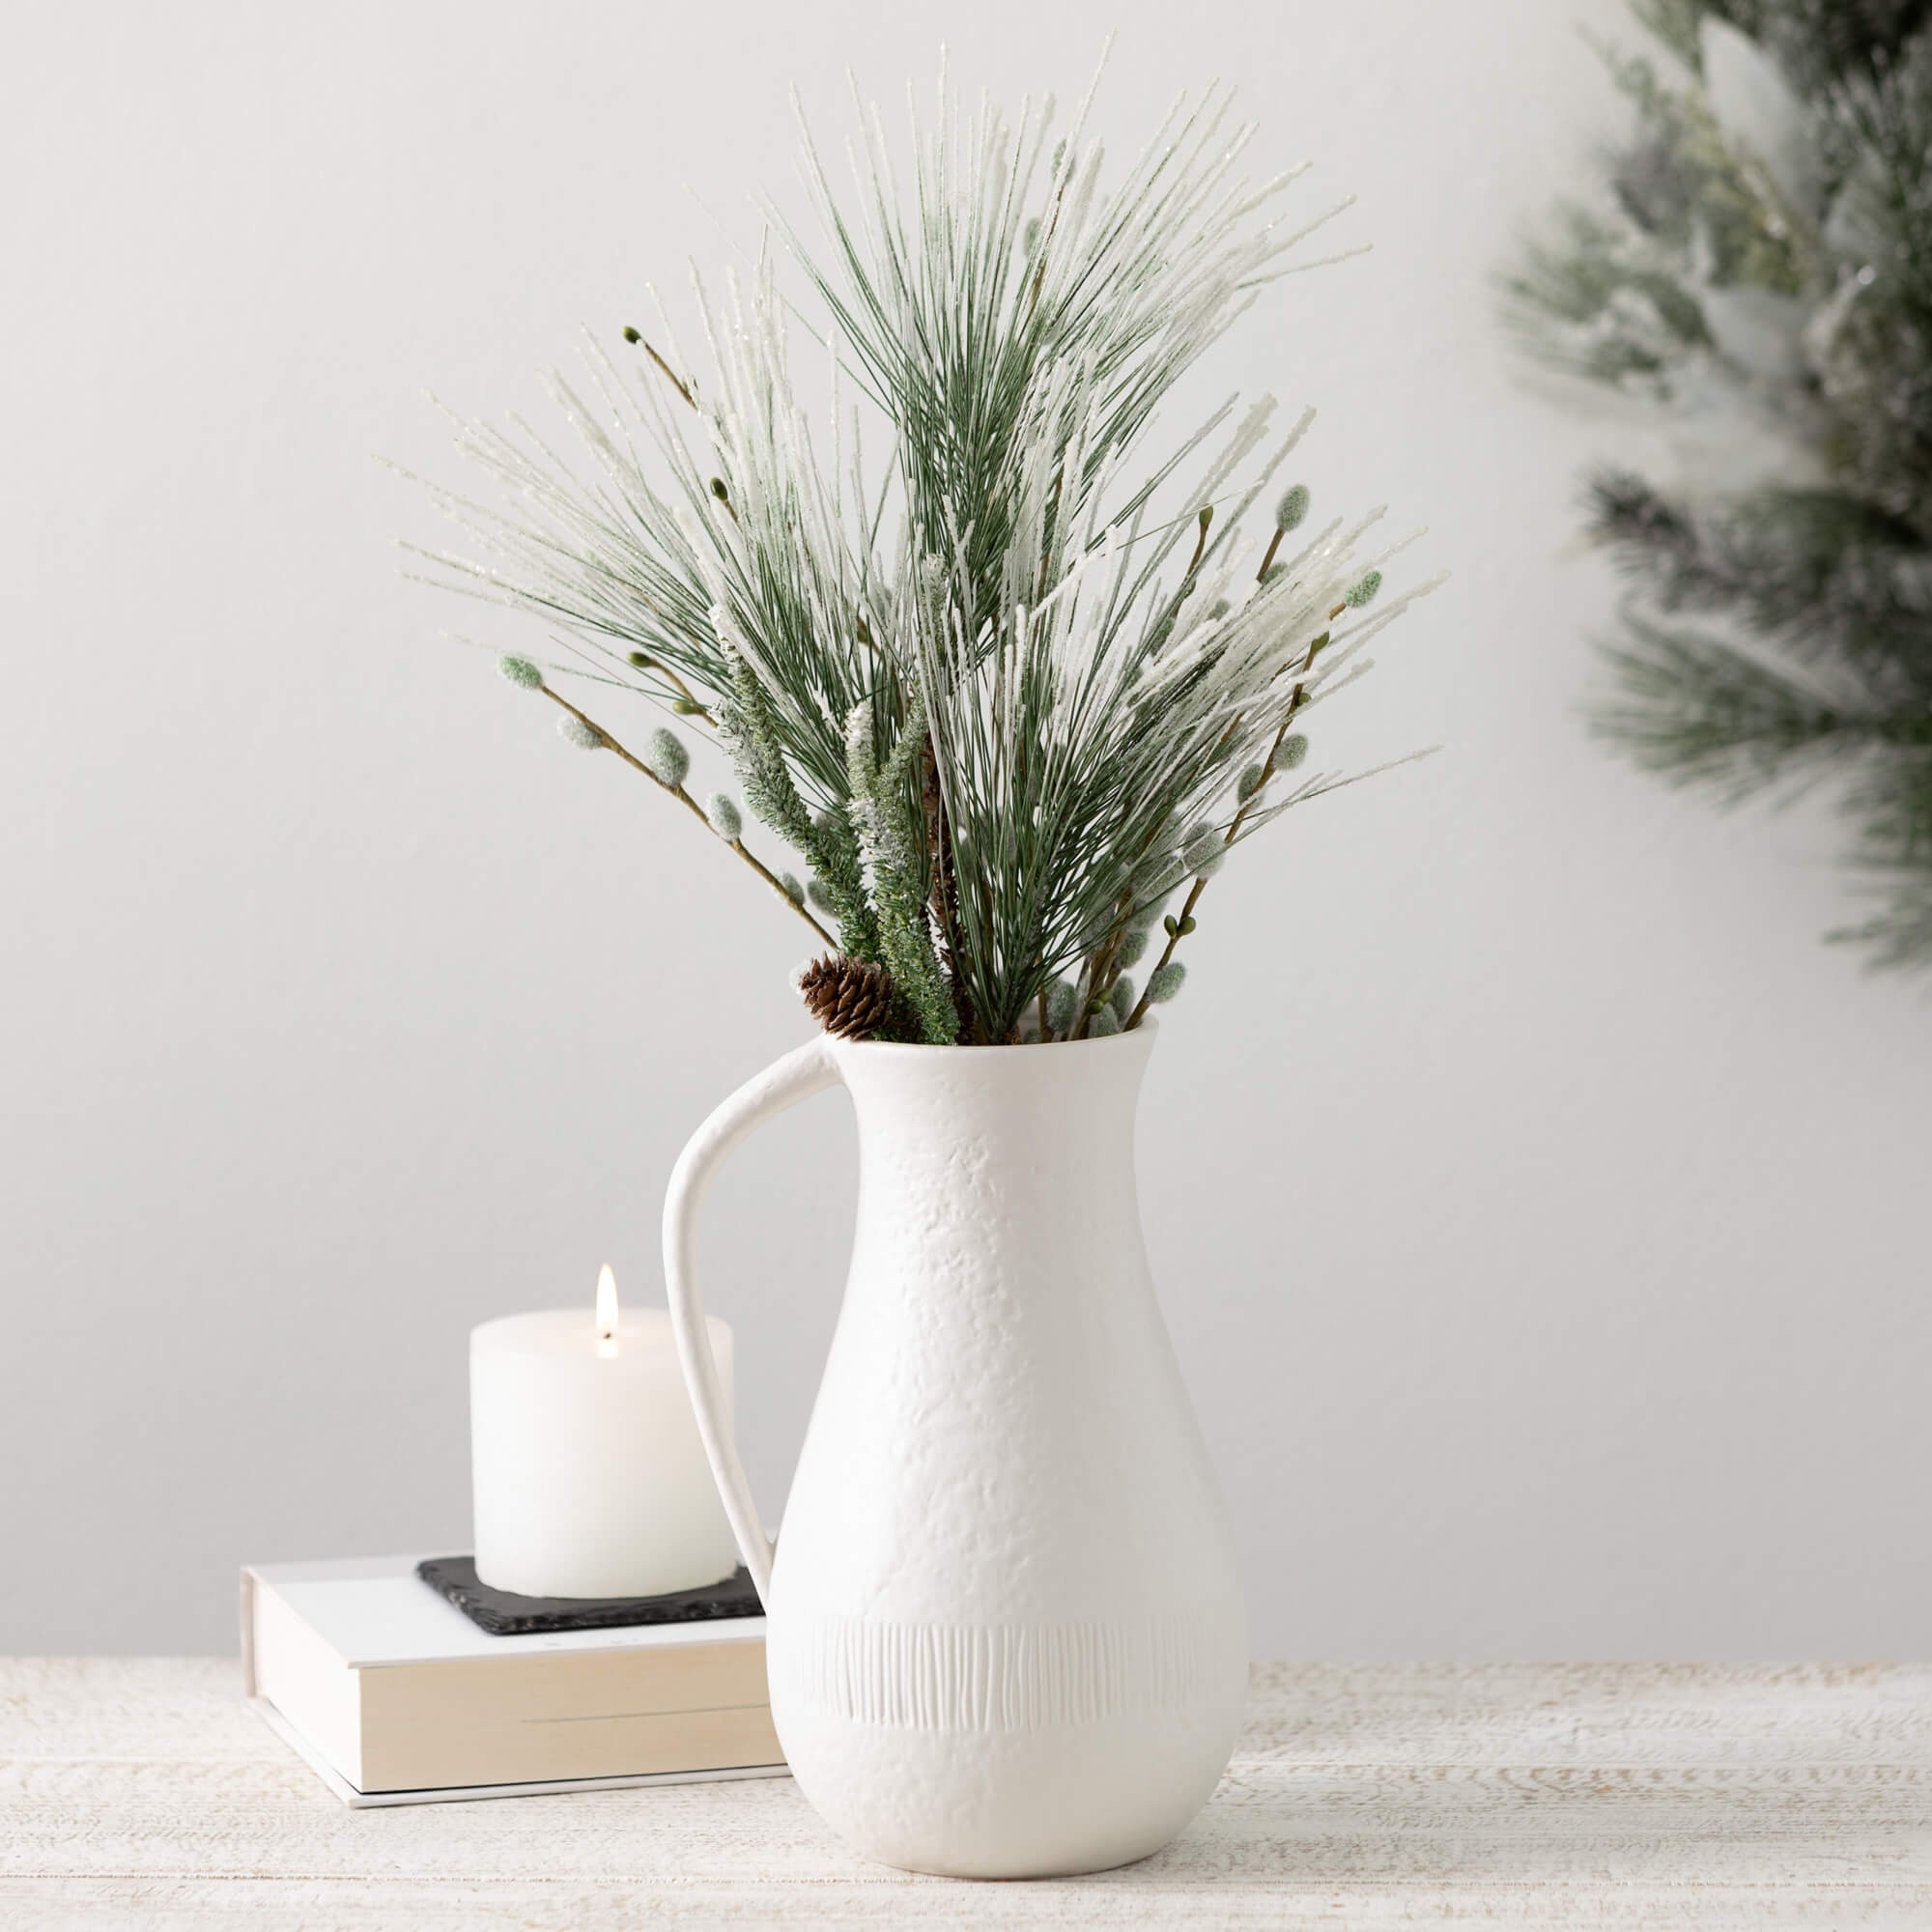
{"x":1201,"y":541}
{"x":691,"y":804}
{"x":675,"y":382}
{"x":1174,"y":938}
{"x":694,"y":706}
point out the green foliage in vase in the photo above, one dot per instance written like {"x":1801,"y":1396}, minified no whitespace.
{"x":994,"y":682}
{"x":1758,"y":267}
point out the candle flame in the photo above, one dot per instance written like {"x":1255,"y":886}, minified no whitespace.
{"x":606,"y":1312}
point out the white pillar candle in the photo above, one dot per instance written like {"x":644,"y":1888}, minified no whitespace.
{"x":590,"y":1480}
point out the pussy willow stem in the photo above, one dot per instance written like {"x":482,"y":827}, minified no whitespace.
{"x":1099,"y":970}
{"x":684,"y":798}
{"x":1174,"y":938}
{"x":1101,"y":965}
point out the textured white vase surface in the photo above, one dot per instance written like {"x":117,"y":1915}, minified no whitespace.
{"x":1007,"y":1636}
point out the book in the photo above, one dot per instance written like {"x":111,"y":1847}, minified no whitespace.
{"x":395,"y":1698}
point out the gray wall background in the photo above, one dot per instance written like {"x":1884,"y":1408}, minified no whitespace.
{"x":1539,"y":1209}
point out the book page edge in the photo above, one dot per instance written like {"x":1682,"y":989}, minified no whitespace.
{"x":363,"y":1800}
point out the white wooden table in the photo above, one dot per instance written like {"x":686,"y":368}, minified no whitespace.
{"x":143,"y":1793}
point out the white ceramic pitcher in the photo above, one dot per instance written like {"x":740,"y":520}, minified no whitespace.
{"x":1007,"y":1636}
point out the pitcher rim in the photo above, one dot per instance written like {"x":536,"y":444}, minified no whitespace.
{"x":1150,"y":1027}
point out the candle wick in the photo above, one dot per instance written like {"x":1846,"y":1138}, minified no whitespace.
{"x":606,"y":1312}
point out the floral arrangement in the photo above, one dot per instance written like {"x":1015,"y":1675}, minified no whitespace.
{"x":1014,"y":690}
{"x":1757,"y":273}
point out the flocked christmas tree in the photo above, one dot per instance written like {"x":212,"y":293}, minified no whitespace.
{"x":1759,"y":265}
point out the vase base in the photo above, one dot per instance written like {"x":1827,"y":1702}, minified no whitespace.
{"x":1078,"y":1868}
{"x":1054,"y":1804}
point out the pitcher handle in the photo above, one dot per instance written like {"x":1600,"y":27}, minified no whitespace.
{"x":808,"y":1069}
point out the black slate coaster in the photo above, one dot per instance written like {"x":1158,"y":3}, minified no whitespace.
{"x":503,"y":1613}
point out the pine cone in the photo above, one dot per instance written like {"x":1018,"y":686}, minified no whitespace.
{"x":852,"y":998}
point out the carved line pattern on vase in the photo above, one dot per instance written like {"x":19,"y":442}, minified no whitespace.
{"x":1002,"y":1677}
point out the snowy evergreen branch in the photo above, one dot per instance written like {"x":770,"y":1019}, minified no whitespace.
{"x":906,"y":934}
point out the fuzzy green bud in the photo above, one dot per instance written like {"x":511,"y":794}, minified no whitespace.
{"x":725,"y":819}
{"x":788,"y":885}
{"x":1103,"y":1024}
{"x":1030,"y":236}
{"x":817,"y":893}
{"x":1203,"y":850}
{"x":1059,"y":999}
{"x":1251,"y":781}
{"x":520,"y":673}
{"x":1364,"y":593}
{"x":1291,"y":751}
{"x":1158,"y":875}
{"x":1132,"y":947}
{"x":1096,"y":934}
{"x":667,"y":756}
{"x":1165,"y":981}
{"x":1273,"y":572}
{"x":573,"y":730}
{"x":1292,"y":508}
{"x":1218,"y":610}
{"x":1121,"y":999}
